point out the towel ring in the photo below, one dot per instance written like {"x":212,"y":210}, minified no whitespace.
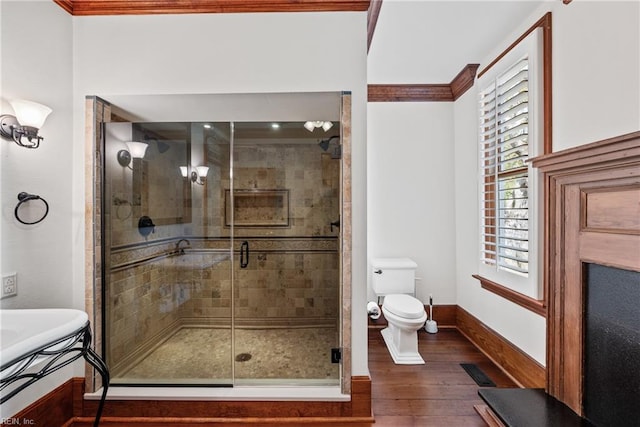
{"x":24,"y":197}
{"x":120,"y":212}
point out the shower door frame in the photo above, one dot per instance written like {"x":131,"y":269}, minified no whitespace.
{"x":97,"y":112}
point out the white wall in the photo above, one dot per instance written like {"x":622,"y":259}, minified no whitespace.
{"x":230,"y":53}
{"x":596,"y":71}
{"x":596,"y":95}
{"x":522,"y":327}
{"x":410,"y":191}
{"x":36,"y":65}
{"x":63,"y":59}
{"x":36,"y":50}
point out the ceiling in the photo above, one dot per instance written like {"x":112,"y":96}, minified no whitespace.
{"x":428,"y":41}
{"x":410,"y":41}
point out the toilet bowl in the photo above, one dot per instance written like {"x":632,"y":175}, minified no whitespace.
{"x":394,"y":279}
{"x":405,"y":316}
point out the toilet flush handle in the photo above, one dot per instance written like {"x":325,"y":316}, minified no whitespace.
{"x":377,"y":271}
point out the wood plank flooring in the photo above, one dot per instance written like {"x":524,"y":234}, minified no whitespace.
{"x":438,"y":393}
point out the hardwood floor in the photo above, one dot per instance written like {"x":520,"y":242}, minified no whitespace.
{"x":438,"y":393}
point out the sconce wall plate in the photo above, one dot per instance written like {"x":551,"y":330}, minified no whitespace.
{"x":124,"y":158}
{"x":7,"y":123}
{"x":10,"y":129}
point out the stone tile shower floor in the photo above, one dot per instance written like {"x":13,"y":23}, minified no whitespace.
{"x":204,"y":354}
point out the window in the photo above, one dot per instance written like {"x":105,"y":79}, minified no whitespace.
{"x":504,"y":149}
{"x":511,"y":130}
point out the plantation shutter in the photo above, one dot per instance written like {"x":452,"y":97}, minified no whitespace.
{"x":504,"y":149}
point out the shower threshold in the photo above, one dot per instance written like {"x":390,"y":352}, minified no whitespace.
{"x":237,"y":393}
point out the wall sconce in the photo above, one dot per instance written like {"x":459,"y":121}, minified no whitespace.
{"x":199,"y":175}
{"x":312,"y":124}
{"x":135,"y":150}
{"x":29,"y":118}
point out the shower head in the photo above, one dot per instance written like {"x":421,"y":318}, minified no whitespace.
{"x":162,"y":146}
{"x":324,"y":144}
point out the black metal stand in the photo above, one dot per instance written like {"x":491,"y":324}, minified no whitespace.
{"x":58,"y":354}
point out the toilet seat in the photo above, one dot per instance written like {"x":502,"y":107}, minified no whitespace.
{"x":404,"y":306}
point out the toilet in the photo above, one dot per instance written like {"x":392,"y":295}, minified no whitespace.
{"x":394,"y":279}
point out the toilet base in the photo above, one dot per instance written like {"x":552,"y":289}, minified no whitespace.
{"x":405,"y":357}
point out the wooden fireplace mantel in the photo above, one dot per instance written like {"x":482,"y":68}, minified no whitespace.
{"x":592,"y":214}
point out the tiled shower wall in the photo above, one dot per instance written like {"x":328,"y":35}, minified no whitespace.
{"x":150,"y":299}
{"x":311,"y":176}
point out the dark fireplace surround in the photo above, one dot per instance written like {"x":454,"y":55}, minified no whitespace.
{"x":612,"y":346}
{"x":592,"y":278}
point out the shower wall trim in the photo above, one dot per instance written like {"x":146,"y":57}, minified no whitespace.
{"x":133,"y":255}
{"x":310,"y":242}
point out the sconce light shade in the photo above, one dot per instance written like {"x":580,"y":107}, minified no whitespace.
{"x":310,"y":126}
{"x":137,"y":149}
{"x":327,"y":125}
{"x":202,"y":171}
{"x":184,"y":170}
{"x":30,"y":113}
{"x":29,"y":118}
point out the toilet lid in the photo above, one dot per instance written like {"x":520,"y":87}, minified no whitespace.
{"x":404,"y":306}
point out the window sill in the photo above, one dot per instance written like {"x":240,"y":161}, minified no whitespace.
{"x":537,"y":306}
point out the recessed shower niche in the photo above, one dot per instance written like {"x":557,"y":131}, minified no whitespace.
{"x":239,"y":281}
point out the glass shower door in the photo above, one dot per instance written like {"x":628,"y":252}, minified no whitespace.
{"x":221,"y":253}
{"x":283,"y":206}
{"x":167,"y":257}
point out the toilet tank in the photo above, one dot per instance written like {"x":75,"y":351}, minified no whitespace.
{"x":394,"y":276}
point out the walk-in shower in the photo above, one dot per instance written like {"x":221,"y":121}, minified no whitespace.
{"x":230,"y":278}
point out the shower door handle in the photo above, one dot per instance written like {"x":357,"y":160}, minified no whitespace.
{"x":244,"y":254}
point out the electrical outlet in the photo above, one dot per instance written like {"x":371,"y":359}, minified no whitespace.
{"x":9,"y":285}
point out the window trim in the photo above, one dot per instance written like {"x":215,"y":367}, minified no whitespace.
{"x":537,"y":306}
{"x":545,"y":24}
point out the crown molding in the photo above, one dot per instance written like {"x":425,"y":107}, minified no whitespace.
{"x":372,"y":20}
{"x":409,"y":93}
{"x":425,"y":92}
{"x":155,"y":7}
{"x":464,"y":80}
